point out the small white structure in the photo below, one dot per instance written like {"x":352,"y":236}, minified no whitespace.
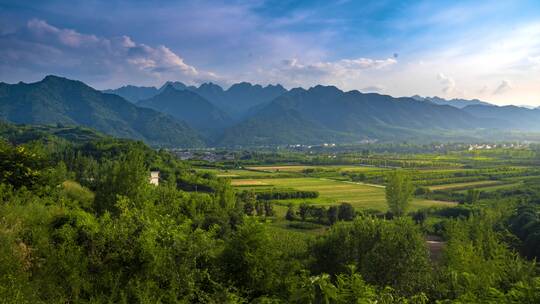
{"x":154,"y":178}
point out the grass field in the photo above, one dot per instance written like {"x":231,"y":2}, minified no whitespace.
{"x":491,"y":188}
{"x":333,"y":192}
{"x":236,"y":173}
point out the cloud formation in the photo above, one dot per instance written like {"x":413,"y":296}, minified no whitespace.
{"x":504,"y":87}
{"x":296,"y":72}
{"x":42,"y":47}
{"x":337,"y":68}
{"x":447,"y":82}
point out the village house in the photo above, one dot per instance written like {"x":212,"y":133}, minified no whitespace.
{"x":154,"y":178}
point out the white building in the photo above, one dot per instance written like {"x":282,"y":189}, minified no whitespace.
{"x":154,"y":178}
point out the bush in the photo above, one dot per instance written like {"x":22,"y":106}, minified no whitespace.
{"x":304,"y":225}
{"x":76,"y":192}
{"x":281,"y":194}
{"x":346,"y":212}
{"x":385,"y":252}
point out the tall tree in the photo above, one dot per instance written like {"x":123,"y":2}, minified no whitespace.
{"x":19,"y":166}
{"x":127,"y":177}
{"x":399,"y":190}
{"x":346,"y":212}
{"x":332,"y":215}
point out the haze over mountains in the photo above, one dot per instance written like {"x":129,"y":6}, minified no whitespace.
{"x":177,"y":115}
{"x":458,"y":103}
{"x":235,"y":101}
{"x":190,"y":107}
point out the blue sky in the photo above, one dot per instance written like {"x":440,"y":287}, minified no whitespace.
{"x":453,"y":49}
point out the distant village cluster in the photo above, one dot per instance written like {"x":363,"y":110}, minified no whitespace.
{"x":473,"y":147}
{"x":209,"y":156}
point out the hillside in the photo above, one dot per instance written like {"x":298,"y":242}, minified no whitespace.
{"x":20,"y":134}
{"x":457,"y":103}
{"x":242,"y":96}
{"x":518,"y":118}
{"x":134,"y":93}
{"x":59,"y":100}
{"x":187,"y":106}
{"x":323,"y":114}
{"x":235,"y":101}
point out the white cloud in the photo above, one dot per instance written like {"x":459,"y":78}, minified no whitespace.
{"x":504,"y":87}
{"x":67,"y":37}
{"x":367,"y":63}
{"x":339,"y":67}
{"x":448,"y":83}
{"x":98,"y":59}
{"x":340,"y":72}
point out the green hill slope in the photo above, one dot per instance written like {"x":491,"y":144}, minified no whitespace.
{"x":59,"y":100}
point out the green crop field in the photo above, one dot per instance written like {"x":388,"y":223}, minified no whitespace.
{"x":455,"y":186}
{"x":492,"y":188}
{"x":236,"y":173}
{"x":333,"y":192}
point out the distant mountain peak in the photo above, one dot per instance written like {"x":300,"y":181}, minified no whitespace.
{"x":243,"y":84}
{"x":324,"y":91}
{"x":275,"y":86}
{"x":54,"y":78}
{"x":175,"y":84}
{"x":168,"y":87}
{"x":188,"y":106}
{"x":210,"y":86}
{"x":326,"y":88}
{"x":455,"y":102}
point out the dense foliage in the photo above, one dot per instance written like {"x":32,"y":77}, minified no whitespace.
{"x":80,"y":223}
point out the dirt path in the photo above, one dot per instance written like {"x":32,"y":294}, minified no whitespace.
{"x":354,"y":183}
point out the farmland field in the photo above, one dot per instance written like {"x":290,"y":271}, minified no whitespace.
{"x":465,"y":185}
{"x":235,"y":173}
{"x":362,"y":196}
{"x":300,"y":168}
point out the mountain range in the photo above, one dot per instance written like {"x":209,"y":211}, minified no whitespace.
{"x":234,"y":101}
{"x":456,"y":102}
{"x":57,"y":100}
{"x":184,"y":105}
{"x":177,"y":115}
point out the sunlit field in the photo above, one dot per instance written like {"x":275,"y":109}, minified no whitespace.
{"x":332,"y":192}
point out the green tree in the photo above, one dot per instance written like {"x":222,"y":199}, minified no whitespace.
{"x":472,"y":196}
{"x":259,"y":208}
{"x":346,"y":212}
{"x":386,"y":253}
{"x":251,"y":261}
{"x":127,"y":177}
{"x":303,"y":211}
{"x":291,"y":214}
{"x":248,"y":200}
{"x":268,"y":209}
{"x":20,"y":166}
{"x":332,"y":214}
{"x":399,"y":190}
